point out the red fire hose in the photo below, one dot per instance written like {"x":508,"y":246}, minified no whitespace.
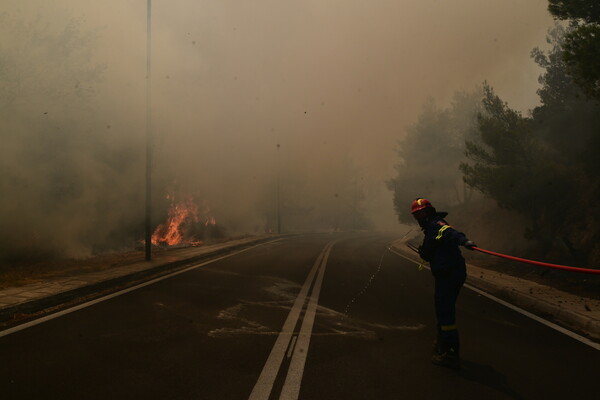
{"x":524,"y":260}
{"x":541,"y":264}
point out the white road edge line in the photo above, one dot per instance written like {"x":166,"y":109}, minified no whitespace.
{"x":549,"y":324}
{"x":264,"y":385}
{"x":119,"y":293}
{"x":291,"y":386}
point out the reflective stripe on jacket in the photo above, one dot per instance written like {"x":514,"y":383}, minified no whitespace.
{"x":440,"y":245}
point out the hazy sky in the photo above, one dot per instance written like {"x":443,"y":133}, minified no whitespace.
{"x":333,"y":82}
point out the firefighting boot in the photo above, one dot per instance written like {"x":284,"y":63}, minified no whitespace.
{"x":447,"y":357}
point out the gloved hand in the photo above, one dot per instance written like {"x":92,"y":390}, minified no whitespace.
{"x":469,"y":244}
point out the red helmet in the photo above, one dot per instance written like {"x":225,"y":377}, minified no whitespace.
{"x":419,"y":204}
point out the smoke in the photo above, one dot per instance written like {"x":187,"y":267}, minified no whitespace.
{"x":310,"y":97}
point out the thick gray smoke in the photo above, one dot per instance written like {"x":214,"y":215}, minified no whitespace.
{"x":332,"y":83}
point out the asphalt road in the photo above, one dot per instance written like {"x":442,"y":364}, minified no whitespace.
{"x":216,"y":333}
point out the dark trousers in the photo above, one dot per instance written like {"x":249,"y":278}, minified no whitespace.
{"x":447,"y":288}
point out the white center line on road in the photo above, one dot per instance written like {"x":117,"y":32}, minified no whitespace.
{"x":292,"y":344}
{"x":264,"y":385}
{"x":291,"y":387}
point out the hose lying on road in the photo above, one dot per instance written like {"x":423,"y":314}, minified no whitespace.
{"x":524,"y":260}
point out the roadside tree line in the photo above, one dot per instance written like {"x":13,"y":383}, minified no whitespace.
{"x":542,"y":167}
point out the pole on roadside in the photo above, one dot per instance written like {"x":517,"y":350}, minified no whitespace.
{"x":278,"y":194}
{"x":148,"y":221}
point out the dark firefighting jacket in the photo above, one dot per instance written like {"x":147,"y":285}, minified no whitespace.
{"x":440,"y":245}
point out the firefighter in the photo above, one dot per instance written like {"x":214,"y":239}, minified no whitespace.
{"x":440,"y":249}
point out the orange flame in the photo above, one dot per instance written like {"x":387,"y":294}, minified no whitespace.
{"x":182,"y":216}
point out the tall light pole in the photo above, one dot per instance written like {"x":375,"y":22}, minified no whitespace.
{"x":278,"y":194}
{"x":148,"y":221}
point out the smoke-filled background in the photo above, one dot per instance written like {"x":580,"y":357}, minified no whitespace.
{"x":315,"y":95}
